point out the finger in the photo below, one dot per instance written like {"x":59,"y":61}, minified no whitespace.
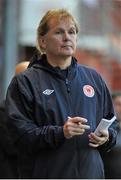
{"x":83,"y":126}
{"x":94,"y":137}
{"x":78,"y":119}
{"x":96,"y":140}
{"x":71,"y":124}
{"x":80,"y":125}
{"x":75,"y":126}
{"x":93,"y":145}
{"x":99,"y":139}
{"x":77,"y":133}
{"x":76,"y":130}
{"x":104,"y":133}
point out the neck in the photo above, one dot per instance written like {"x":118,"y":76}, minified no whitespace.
{"x":63,"y":63}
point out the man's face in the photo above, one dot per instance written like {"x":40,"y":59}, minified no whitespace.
{"x":117,"y":106}
{"x":60,"y":41}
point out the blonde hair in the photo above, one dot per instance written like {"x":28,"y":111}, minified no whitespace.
{"x":43,"y":27}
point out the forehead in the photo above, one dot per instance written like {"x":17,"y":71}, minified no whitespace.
{"x":117,"y":101}
{"x":64,"y":21}
{"x":118,"y":98}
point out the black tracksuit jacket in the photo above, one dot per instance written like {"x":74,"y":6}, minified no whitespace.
{"x":38,"y":103}
{"x":8,"y":154}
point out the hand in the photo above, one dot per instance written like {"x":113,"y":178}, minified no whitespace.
{"x":95,"y":141}
{"x":75,"y":126}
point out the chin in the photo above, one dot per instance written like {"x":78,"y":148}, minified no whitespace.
{"x":68,"y":53}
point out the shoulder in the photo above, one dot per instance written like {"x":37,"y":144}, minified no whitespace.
{"x":91,"y":76}
{"x":88,"y":71}
{"x":22,"y":83}
{"x":23,"y":77}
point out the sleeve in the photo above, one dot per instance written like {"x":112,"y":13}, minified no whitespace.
{"x":25,"y":132}
{"x":108,"y":113}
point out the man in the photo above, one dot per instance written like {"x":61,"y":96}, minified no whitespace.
{"x":8,"y":154}
{"x":112,"y":159}
{"x":54,"y":107}
{"x":22,"y":66}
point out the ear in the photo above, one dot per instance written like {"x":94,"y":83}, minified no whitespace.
{"x":42,"y":42}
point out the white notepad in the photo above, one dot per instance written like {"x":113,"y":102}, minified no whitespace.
{"x":104,"y":125}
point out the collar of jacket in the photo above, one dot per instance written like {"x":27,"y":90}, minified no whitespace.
{"x":40,"y":62}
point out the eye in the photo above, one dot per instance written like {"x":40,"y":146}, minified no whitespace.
{"x":72,"y":32}
{"x":58,"y":32}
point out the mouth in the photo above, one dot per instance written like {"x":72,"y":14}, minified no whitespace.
{"x":66,"y":46}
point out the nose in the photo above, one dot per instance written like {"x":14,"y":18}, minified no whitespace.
{"x":66,"y":36}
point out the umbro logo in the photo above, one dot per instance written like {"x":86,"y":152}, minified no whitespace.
{"x":48,"y":91}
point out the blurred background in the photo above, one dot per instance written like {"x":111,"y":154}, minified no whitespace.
{"x":99,"y":41}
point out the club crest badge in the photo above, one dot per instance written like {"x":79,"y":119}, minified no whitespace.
{"x":88,"y":91}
